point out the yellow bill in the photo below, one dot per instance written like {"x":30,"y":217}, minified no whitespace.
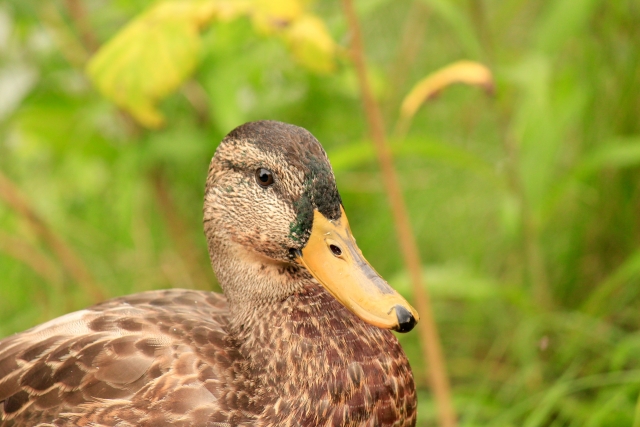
{"x":333,"y":258}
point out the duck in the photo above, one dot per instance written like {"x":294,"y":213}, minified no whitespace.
{"x":301,"y":336}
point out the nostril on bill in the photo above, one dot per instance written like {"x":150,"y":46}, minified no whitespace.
{"x":406,"y":321}
{"x":335,"y":250}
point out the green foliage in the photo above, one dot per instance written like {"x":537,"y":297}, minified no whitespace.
{"x":525,"y":205}
{"x":151,"y":57}
{"x":159,"y":49}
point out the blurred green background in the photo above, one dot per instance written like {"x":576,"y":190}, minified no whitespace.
{"x":525,"y":204}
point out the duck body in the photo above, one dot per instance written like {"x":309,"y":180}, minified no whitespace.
{"x":278,"y":349}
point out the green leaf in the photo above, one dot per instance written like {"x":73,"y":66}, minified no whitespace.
{"x":601,"y":299}
{"x":353,"y":155}
{"x":153,"y":55}
{"x":459,"y":23}
{"x":618,"y":154}
{"x":563,"y":20}
{"x":450,"y":281}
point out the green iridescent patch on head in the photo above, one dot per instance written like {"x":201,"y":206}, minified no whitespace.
{"x":300,"y":229}
{"x":324,"y":193}
{"x":320,"y":192}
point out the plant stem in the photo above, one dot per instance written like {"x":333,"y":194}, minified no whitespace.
{"x":179,"y":232}
{"x":532,"y":251}
{"x":432,"y":349}
{"x":636,"y":418}
{"x":534,"y":260}
{"x":412,"y":40}
{"x":31,"y":256}
{"x":67,"y":41}
{"x":10,"y":193}
{"x":79,"y":16}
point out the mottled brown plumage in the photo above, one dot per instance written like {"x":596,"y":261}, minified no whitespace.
{"x":276,"y":350}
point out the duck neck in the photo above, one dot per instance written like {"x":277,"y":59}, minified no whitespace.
{"x":306,"y":359}
{"x":286,"y":340}
{"x":252,"y":283}
{"x":312,"y":362}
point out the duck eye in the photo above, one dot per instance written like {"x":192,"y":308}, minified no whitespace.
{"x":264,"y":177}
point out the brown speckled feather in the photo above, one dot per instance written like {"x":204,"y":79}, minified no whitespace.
{"x":277,"y":350}
{"x":145,"y":350}
{"x":166,"y":358}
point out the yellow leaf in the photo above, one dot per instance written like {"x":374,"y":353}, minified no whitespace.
{"x":196,"y":12}
{"x":228,"y":10}
{"x":151,"y":57}
{"x":270,"y":16}
{"x":467,"y":72}
{"x":311,"y":44}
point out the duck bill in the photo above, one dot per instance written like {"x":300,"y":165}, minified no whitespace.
{"x":333,"y":258}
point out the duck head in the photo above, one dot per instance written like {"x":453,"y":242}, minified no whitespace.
{"x":273,"y":214}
